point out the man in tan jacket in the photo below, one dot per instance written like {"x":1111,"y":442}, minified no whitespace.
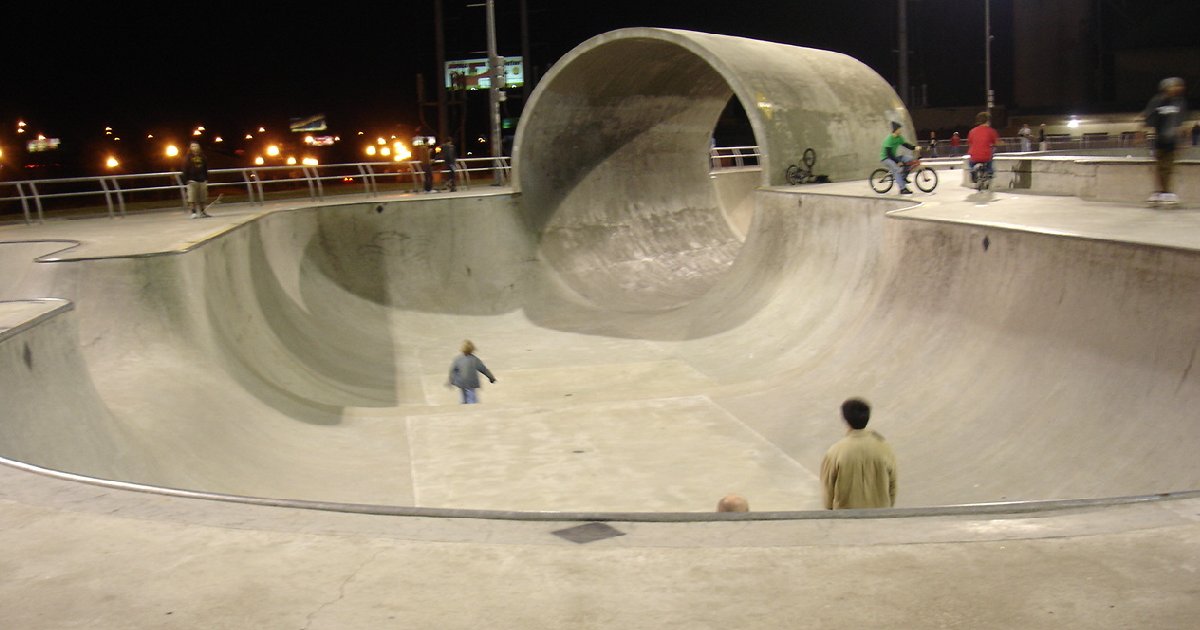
{"x":859,"y":471}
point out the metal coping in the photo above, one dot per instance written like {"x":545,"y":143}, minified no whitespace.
{"x":969,"y":509}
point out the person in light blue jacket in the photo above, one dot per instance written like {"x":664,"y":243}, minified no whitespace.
{"x":465,"y":371}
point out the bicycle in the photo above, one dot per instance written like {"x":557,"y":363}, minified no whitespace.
{"x":983,"y":177}
{"x":801,"y":173}
{"x":924,"y":177}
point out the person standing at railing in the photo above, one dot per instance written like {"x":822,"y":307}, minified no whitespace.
{"x":195,"y":178}
{"x":1026,"y":135}
{"x":450,"y":159}
{"x":955,"y":143}
{"x":1165,"y":114}
{"x":425,"y":158}
{"x":1042,"y":137}
{"x":932,"y":144}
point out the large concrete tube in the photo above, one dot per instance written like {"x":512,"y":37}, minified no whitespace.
{"x":611,"y":157}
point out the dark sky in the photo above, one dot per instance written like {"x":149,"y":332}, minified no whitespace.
{"x":143,"y":66}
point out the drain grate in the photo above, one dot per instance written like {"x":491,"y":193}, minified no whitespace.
{"x":588,"y":532}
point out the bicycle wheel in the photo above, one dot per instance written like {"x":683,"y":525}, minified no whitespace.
{"x":925,"y":178}
{"x":983,"y":179}
{"x":810,"y":157}
{"x":794,"y":175}
{"x":881,"y":180}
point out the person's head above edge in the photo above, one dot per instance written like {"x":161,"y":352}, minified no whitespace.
{"x":1172,"y":86}
{"x":733,"y":503}
{"x":195,"y":147}
{"x":468,"y":347}
{"x":983,"y":118}
{"x":896,"y":128}
{"x":856,"y":412}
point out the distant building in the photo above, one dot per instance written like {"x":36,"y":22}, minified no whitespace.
{"x":1070,"y":53}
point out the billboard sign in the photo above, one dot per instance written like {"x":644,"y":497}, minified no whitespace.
{"x":315,"y":122}
{"x":474,"y":73}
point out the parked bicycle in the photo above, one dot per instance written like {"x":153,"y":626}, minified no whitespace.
{"x":924,"y":177}
{"x":803,"y":172}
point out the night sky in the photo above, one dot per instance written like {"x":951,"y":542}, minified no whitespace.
{"x":72,"y":68}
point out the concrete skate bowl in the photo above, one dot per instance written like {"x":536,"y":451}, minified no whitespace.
{"x":302,"y":356}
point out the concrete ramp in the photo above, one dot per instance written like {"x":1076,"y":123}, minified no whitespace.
{"x":657,"y":344}
{"x":1003,"y":365}
{"x":613,"y":148}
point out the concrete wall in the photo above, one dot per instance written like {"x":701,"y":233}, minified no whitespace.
{"x":1090,"y":179}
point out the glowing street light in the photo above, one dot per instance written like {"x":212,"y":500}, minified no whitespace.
{"x":218,"y":139}
{"x":291,"y":161}
{"x":273,"y":151}
{"x":249,"y":137}
{"x":172,"y":151}
{"x":310,"y":161}
{"x":371,"y":149}
{"x":112,"y":162}
{"x":258,"y":161}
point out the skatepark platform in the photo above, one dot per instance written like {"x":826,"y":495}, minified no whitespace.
{"x":1029,"y":357}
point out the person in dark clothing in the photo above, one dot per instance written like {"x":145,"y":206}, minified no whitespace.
{"x":195,"y":177}
{"x":1165,"y":114}
{"x":450,"y":159}
{"x":425,"y":155}
{"x":465,"y":371}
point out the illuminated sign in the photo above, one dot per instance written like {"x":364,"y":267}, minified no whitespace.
{"x":473,"y":74}
{"x":319,"y":141}
{"x":312,"y":123}
{"x":43,"y":143}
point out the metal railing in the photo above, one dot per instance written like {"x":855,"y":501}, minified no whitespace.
{"x":733,"y":157}
{"x":1054,"y":142}
{"x":251,"y":185}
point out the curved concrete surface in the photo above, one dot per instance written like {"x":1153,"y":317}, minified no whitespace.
{"x":613,"y":146}
{"x":304,"y":352}
{"x":83,"y":556}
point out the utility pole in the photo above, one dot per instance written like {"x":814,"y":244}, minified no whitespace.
{"x":902,"y":18}
{"x":496,"y":65}
{"x":526,"y":58}
{"x":440,"y":74}
{"x":987,"y":54}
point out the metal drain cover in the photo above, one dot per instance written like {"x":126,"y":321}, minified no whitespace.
{"x":588,"y":532}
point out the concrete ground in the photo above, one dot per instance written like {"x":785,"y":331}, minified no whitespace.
{"x":1016,"y":347}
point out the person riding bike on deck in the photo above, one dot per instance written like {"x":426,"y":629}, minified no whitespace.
{"x":981,"y":143}
{"x":893,"y":160}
